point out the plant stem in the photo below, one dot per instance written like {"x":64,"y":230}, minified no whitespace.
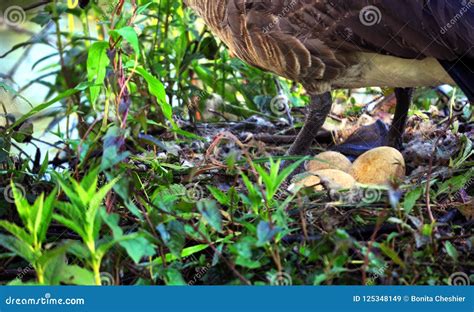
{"x":96,"y":269}
{"x":40,"y":274}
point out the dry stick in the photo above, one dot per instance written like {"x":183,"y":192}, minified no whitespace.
{"x":304,"y":225}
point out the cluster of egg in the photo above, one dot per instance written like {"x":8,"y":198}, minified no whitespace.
{"x":335,"y":171}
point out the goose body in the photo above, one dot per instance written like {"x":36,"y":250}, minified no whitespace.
{"x":327,"y":44}
{"x":373,"y":69}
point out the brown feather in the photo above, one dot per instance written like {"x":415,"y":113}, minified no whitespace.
{"x":319,"y":42}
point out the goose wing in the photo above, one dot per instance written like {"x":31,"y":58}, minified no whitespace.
{"x":313,"y":39}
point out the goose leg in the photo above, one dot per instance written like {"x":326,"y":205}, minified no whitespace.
{"x":318,"y":111}
{"x":404,"y":98}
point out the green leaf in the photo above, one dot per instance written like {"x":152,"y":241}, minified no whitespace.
{"x":130,"y":35}
{"x":89,"y":182}
{"x":96,"y":202}
{"x":319,"y":279}
{"x":427,"y":229}
{"x":113,"y":153}
{"x":254,"y":197}
{"x":265,"y":232}
{"x":70,"y":212}
{"x":220,"y":196}
{"x":135,"y":244}
{"x":112,"y":221}
{"x":81,"y":193}
{"x":79,"y":250}
{"x":392,"y":254}
{"x":42,"y":18}
{"x":273,"y":179}
{"x":71,"y":225}
{"x":17,"y":246}
{"x":411,"y":198}
{"x":285,"y":173}
{"x":173,"y":235}
{"x":97,"y":62}
{"x":76,"y":202}
{"x":157,"y":89}
{"x":138,"y":247}
{"x":104,"y":246}
{"x":142,"y":8}
{"x":16,"y":231}
{"x":174,"y":277}
{"x":5,"y":146}
{"x":210,"y":212}
{"x":186,"y":134}
{"x":451,"y":250}
{"x":44,"y":165}
{"x":70,"y":192}
{"x":75,"y":275}
{"x":23,"y":208}
{"x":44,"y":216}
{"x":53,"y":261}
{"x":124,"y":189}
{"x":453,"y":185}
{"x":36,"y":215}
{"x":247,"y":263}
{"x":185,"y":253}
{"x":18,"y":282}
{"x":243,"y":248}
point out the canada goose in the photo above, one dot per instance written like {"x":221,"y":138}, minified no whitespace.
{"x":326,"y":44}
